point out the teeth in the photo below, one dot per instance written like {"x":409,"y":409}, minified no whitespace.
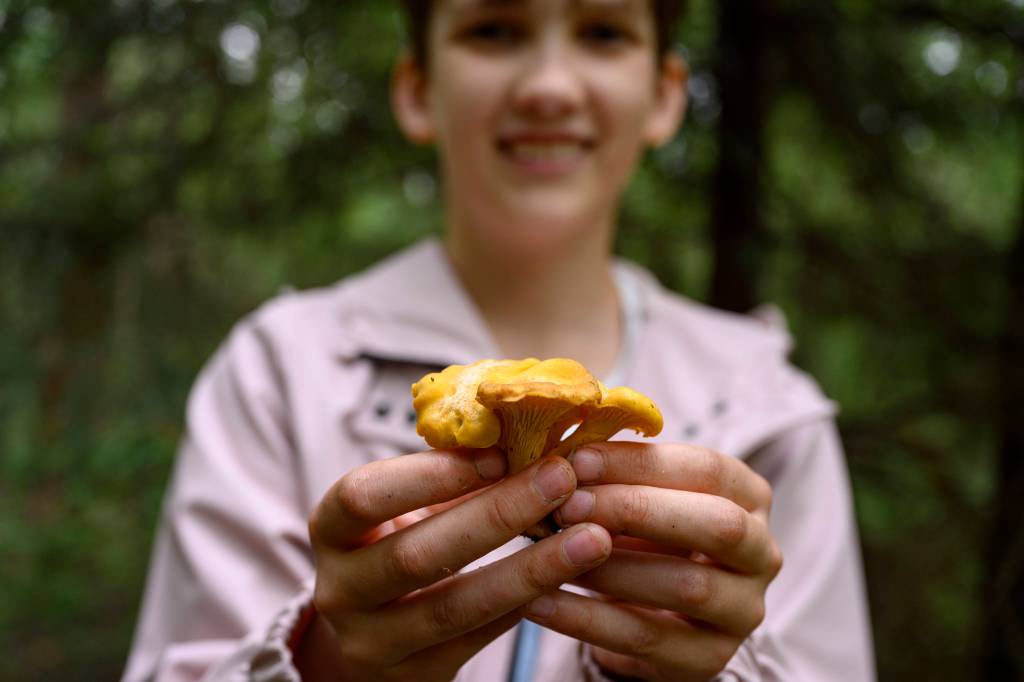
{"x":546,"y":152}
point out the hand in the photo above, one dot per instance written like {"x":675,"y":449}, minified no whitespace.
{"x":693,"y":557}
{"x":390,"y":602}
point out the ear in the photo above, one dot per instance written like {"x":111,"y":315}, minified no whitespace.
{"x":410,"y":100}
{"x":670,"y":101}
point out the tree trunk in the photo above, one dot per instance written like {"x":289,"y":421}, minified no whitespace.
{"x":1003,"y":645}
{"x":83,"y":301}
{"x":736,"y":227}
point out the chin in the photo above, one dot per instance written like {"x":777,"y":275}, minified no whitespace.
{"x":535,"y":224}
{"x":542,"y":235}
{"x":561,"y":213}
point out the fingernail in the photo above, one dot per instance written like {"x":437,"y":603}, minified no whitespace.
{"x":577,"y":508}
{"x":491,"y":465}
{"x":583,"y":548}
{"x":541,"y":607}
{"x":552,"y":481}
{"x":587,"y":465}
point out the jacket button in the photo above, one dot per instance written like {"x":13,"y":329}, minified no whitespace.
{"x":410,"y":417}
{"x":691,"y":431}
{"x":719,"y":408}
{"x":382,"y":410}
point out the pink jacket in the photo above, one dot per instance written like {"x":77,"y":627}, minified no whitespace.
{"x":314,"y":384}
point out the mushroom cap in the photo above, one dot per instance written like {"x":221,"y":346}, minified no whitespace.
{"x":531,"y":401}
{"x":620,"y":408}
{"x":555,"y":383}
{"x":559,"y":378}
{"x":448,"y":414}
{"x":639,"y":411}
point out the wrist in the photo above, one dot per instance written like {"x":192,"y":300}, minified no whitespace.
{"x":314,"y":647}
{"x":305,"y":620}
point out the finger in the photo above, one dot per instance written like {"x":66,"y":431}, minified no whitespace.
{"x":726,"y":601}
{"x":672,"y":465}
{"x":443,"y":661}
{"x":626,"y":665}
{"x":444,"y":506}
{"x":406,"y":520}
{"x":438,"y":546}
{"x":666,"y":642}
{"x":695,"y":521}
{"x":377,"y":492}
{"x":468,"y":601}
{"x":638,"y":545}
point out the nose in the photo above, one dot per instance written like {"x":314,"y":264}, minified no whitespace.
{"x":550,"y":85}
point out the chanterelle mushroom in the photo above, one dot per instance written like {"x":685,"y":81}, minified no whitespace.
{"x":530,"y":402}
{"x":524,"y":407}
{"x":620,"y":408}
{"x":448,"y":414}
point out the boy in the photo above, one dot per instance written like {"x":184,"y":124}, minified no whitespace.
{"x":539,"y":110}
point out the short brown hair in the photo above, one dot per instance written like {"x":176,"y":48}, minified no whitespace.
{"x":417,"y":20}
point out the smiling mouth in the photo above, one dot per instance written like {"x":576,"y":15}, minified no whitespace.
{"x":544,"y":155}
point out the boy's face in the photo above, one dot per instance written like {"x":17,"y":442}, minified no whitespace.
{"x":540,"y":110}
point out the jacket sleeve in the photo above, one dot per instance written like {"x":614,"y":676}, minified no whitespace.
{"x":232,"y":551}
{"x":816,"y":625}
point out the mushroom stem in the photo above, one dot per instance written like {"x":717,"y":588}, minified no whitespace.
{"x":524,"y":435}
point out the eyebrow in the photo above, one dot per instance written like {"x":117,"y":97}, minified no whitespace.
{"x":612,"y":4}
{"x":465,"y":4}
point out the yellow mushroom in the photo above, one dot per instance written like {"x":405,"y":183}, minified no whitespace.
{"x":620,"y":408}
{"x":530,"y":402}
{"x":524,"y":407}
{"x":448,"y":414}
{"x":557,"y":432}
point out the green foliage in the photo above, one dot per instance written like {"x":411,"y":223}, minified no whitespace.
{"x":167,"y":165}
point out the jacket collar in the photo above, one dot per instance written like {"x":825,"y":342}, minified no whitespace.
{"x":411,"y":307}
{"x":718,"y":370}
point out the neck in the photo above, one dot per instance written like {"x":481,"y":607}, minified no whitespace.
{"x":561,"y":303}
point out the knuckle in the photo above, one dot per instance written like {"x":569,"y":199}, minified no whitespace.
{"x":645,"y":463}
{"x":583,"y":623}
{"x":642,"y":641}
{"x":709,"y":470}
{"x":535,"y":578}
{"x":357,"y":651}
{"x":731,"y":526}
{"x":316,"y":525}
{"x":697,"y":589}
{"x":503,"y":514}
{"x":327,"y":601}
{"x":636,"y":508}
{"x":410,"y":561}
{"x":353,"y":496}
{"x":775,"y":560}
{"x":450,"y":615}
{"x":757,"y":614}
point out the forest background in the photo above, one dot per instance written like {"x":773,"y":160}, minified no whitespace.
{"x":167,"y":165}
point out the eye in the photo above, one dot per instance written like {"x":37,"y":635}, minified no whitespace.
{"x":605,"y":34}
{"x":495,"y":32}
